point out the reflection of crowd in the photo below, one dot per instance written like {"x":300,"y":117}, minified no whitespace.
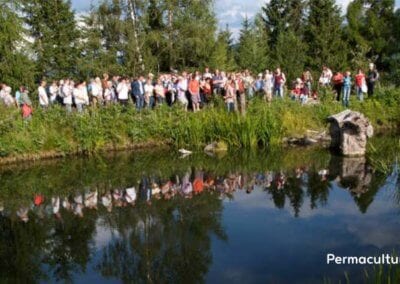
{"x":153,"y":188}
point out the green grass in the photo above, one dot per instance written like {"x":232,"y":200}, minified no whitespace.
{"x":54,"y":130}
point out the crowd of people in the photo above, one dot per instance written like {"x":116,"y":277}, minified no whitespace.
{"x":191,"y":90}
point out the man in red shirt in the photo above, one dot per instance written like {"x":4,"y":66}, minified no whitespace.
{"x":360,"y":81}
{"x":338,"y":84}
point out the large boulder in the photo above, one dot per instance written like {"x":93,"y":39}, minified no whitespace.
{"x":349,"y":131}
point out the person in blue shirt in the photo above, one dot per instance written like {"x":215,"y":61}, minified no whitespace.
{"x":259,"y":84}
{"x":346,"y":89}
{"x":18,"y":96}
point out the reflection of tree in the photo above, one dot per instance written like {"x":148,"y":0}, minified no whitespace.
{"x":68,"y":245}
{"x":171,"y":244}
{"x":21,"y":246}
{"x":317,"y":189}
{"x":295,"y":193}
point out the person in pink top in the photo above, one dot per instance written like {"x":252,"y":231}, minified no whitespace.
{"x":360,"y":84}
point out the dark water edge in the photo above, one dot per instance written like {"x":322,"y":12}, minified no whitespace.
{"x":261,"y":217}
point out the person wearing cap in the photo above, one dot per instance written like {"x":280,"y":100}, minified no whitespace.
{"x":372,"y":77}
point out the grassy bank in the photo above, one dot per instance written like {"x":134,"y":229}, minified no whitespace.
{"x":55,"y":132}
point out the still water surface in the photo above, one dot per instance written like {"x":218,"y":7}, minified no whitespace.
{"x":265,"y":217}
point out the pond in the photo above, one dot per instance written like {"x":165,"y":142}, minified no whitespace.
{"x":156,"y":217}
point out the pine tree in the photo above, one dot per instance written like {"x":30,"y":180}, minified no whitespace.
{"x":324,"y":34}
{"x":251,"y":53}
{"x":283,"y":15}
{"x":290,"y":55}
{"x":52,"y":27}
{"x":222,"y":56}
{"x":15,"y":67}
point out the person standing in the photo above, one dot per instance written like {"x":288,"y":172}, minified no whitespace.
{"x":241,"y":93}
{"x":18,"y":96}
{"x":360,"y":82}
{"x":248,"y":84}
{"x":346,"y":89}
{"x":338,"y":84}
{"x":230,"y":94}
{"x":138,"y":92}
{"x":26,"y":104}
{"x":268,"y":85}
{"x":43,"y":98}
{"x":67,"y":93}
{"x":182,"y":87}
{"x":279,"y":83}
{"x":217,"y":82}
{"x":372,"y":77}
{"x":307,"y":80}
{"x":194,"y":90}
{"x":53,"y":90}
{"x":79,"y":97}
{"x":149,"y":93}
{"x":123,"y":92}
{"x":326,"y":76}
{"x":97,"y":92}
{"x":160,"y":92}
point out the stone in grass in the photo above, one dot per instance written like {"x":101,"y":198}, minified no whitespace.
{"x":216,"y":147}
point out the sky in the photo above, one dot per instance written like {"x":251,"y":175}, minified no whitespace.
{"x":229,"y":12}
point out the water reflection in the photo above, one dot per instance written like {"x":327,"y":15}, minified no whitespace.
{"x":110,"y":216}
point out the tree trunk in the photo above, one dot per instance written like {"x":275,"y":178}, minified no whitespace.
{"x":132,"y":8}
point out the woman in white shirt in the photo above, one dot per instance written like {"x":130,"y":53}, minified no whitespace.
{"x":67,"y":93}
{"x":108,"y":93}
{"x":149,"y":94}
{"x":43,"y":98}
{"x":97,"y":92}
{"x":160,"y":92}
{"x":123,"y":92}
{"x":268,"y":85}
{"x":53,"y":90}
{"x":79,"y":97}
{"x":182,"y":87}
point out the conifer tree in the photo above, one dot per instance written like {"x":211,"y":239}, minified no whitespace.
{"x":251,"y":53}
{"x":15,"y":67}
{"x":283,"y":15}
{"x":52,"y":26}
{"x":324,"y":34}
{"x":290,"y":55}
{"x":222,"y":56}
